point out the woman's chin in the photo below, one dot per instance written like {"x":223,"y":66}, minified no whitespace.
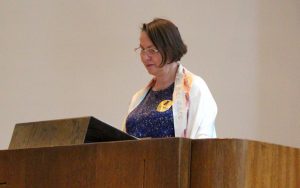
{"x":151,"y":69}
{"x":151,"y":72}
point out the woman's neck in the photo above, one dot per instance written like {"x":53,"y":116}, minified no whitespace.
{"x":166,"y":78}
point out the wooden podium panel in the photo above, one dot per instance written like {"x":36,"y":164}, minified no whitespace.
{"x":233,"y":163}
{"x":3,"y":169}
{"x":67,"y":166}
{"x":157,"y":163}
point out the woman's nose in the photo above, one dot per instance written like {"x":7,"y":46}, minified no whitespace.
{"x":145,"y":56}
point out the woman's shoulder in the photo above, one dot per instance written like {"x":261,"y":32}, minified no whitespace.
{"x":200,"y":88}
{"x":139,"y":95}
{"x":196,"y":81}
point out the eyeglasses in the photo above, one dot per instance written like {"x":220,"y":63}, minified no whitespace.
{"x":149,"y":51}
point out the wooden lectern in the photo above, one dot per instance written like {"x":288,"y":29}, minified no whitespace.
{"x":62,"y":132}
{"x":155,"y":163}
{"x":69,"y":162}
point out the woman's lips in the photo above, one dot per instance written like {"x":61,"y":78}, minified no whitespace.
{"x":149,"y":65}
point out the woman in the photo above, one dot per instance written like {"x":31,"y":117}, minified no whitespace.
{"x":176,"y":103}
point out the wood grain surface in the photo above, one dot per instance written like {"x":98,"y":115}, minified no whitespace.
{"x":232,"y":163}
{"x":62,"y":132}
{"x":153,"y":163}
{"x":49,"y":133}
{"x":157,"y":163}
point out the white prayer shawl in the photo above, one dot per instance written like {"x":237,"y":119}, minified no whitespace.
{"x":194,"y":108}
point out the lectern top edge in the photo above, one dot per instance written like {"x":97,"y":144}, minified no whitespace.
{"x":53,"y":120}
{"x":62,"y":132}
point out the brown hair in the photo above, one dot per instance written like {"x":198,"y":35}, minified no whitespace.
{"x":166,"y":38}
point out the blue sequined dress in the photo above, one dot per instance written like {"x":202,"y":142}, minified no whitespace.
{"x":146,"y":121}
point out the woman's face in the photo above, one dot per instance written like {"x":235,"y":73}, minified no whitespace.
{"x":150,"y":57}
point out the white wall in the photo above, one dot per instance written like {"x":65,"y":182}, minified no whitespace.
{"x":68,"y":58}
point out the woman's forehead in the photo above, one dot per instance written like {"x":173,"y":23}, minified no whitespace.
{"x":145,"y":41}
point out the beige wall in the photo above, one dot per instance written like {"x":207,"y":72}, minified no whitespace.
{"x":71,"y":58}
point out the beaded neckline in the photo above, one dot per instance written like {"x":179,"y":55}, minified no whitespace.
{"x":163,"y":90}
